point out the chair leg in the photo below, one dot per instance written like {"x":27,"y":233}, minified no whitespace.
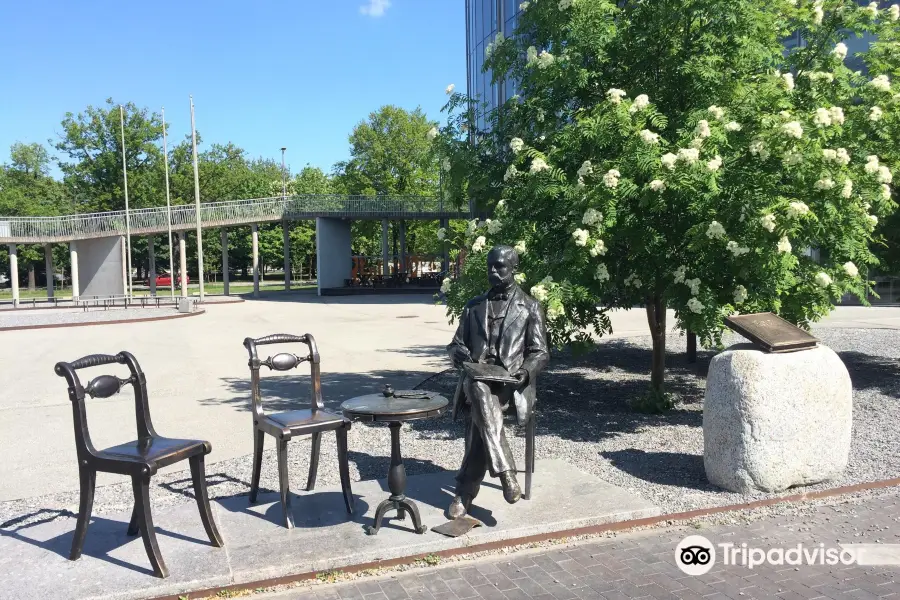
{"x":141,"y":487}
{"x":259,"y":438}
{"x":314,"y":460}
{"x":133,"y":528}
{"x":284,"y":483}
{"x":198,"y":474}
{"x":344,"y":468}
{"x":529,"y":456}
{"x":88,"y":478}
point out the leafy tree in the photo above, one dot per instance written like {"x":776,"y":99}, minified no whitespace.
{"x":92,"y":140}
{"x":672,"y":155}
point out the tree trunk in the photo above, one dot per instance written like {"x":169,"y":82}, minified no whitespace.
{"x":32,"y":285}
{"x":656,"y":318}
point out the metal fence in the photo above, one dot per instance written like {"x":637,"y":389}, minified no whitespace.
{"x":217,"y":214}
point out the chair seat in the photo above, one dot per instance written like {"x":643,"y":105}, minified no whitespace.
{"x":160,"y":450}
{"x":297,"y":419}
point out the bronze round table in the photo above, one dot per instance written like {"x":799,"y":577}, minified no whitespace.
{"x":395,"y":408}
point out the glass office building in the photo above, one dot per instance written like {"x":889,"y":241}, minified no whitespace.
{"x":484,"y":19}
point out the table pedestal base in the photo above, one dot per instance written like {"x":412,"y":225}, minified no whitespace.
{"x":397,"y":484}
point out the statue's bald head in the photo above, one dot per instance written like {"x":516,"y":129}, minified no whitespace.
{"x":507,"y":253}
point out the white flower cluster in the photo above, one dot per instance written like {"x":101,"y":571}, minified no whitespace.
{"x":847,"y":190}
{"x":585,"y":169}
{"x":715,"y":230}
{"x":885,"y":191}
{"x":678,"y":274}
{"x":601,"y":274}
{"x":839,"y":156}
{"x":544,"y":59}
{"x":714,"y":164}
{"x":520,"y":247}
{"x":633,"y":280}
{"x":824,"y":184}
{"x":797,"y":209}
{"x":657,"y":185}
{"x":788,"y":79}
{"x":538,"y":165}
{"x":822,"y":279}
{"x":875,"y":113}
{"x":894,"y":12}
{"x":478,"y":246}
{"x":450,"y":88}
{"x":882,"y":83}
{"x":784,"y":245}
{"x":648,"y":137}
{"x":581,"y":237}
{"x":516,"y":144}
{"x":445,"y":285}
{"x":840,"y":50}
{"x":694,"y":284}
{"x":732,"y":126}
{"x":736,"y":249}
{"x":524,"y":6}
{"x":564,"y":4}
{"x":688,"y":155}
{"x":640,"y":103}
{"x":598,"y":249}
{"x":442,"y":234}
{"x":615,"y":95}
{"x":768,"y":222}
{"x":740,"y":294}
{"x":611,"y":179}
{"x":520,"y":278}
{"x":716,"y":112}
{"x":816,"y":76}
{"x":873,"y":9}
{"x":531,"y":55}
{"x":432,"y":133}
{"x":591,"y":217}
{"x":873,"y":220}
{"x":873,"y":167}
{"x":446,"y":164}
{"x":702,"y":129}
{"x":511,"y":172}
{"x":850,"y":269}
{"x":695,"y":305}
{"x":818,"y":13}
{"x":472,"y":227}
{"x":539,"y":292}
{"x":758,"y":148}
{"x":494,"y":227}
{"x":668,"y":160}
{"x":792,"y":157}
{"x":793,"y":129}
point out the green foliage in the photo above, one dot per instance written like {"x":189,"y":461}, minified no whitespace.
{"x":659,"y":157}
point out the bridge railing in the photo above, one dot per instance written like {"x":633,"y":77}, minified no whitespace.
{"x":226,"y":212}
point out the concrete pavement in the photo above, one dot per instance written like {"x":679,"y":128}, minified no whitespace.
{"x":197,"y":372}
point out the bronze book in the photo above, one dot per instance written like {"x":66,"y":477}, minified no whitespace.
{"x":486,"y":372}
{"x":771,"y":333}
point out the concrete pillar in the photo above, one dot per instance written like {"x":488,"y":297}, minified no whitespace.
{"x":334,"y":253}
{"x":182,"y":251}
{"x":48,"y":263}
{"x":286,"y":239}
{"x":254,"y":229}
{"x":73,"y":258}
{"x":385,"y":248}
{"x":225,"y":259}
{"x":403,"y":262}
{"x":124,"y":256}
{"x":14,"y":273}
{"x":151,"y":252}
{"x":445,"y":253}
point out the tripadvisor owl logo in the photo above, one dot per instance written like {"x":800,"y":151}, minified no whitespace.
{"x":695,"y":555}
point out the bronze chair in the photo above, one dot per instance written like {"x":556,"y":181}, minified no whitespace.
{"x":140,"y":459}
{"x":285,"y":425}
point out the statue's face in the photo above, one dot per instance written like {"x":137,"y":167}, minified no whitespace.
{"x":500,"y":271}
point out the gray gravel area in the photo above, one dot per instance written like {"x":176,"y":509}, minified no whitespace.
{"x":32,"y":318}
{"x":583,"y":418}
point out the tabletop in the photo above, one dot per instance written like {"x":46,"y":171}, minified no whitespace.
{"x":403,"y":405}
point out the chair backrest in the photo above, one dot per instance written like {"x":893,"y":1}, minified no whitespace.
{"x":104,"y":386}
{"x":284,"y":361}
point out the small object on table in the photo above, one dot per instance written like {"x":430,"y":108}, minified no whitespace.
{"x":488,"y":372}
{"x":395,"y":407}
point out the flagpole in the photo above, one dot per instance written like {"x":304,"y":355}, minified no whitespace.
{"x":197,"y":203}
{"x":127,"y":215}
{"x":168,"y":209}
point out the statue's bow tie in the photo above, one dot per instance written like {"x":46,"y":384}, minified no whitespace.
{"x":501,"y":296}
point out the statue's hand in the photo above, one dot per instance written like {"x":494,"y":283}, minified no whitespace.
{"x":461,"y":355}
{"x":522,"y":376}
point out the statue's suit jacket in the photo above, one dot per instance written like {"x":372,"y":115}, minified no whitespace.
{"x":523,"y":344}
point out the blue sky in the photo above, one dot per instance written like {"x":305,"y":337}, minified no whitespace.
{"x":264,"y":74}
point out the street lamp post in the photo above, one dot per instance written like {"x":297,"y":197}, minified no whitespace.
{"x":283,"y":180}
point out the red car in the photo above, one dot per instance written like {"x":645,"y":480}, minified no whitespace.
{"x":165,"y":280}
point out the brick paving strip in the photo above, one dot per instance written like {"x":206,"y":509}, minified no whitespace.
{"x":641,"y":563}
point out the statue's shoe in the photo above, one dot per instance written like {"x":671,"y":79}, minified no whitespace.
{"x":459,"y":507}
{"x":511,"y":491}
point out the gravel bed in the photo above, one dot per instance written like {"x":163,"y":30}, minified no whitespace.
{"x":583,"y":418}
{"x":31,"y":318}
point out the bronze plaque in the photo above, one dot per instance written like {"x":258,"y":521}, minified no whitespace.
{"x":771,"y":333}
{"x":458,"y":527}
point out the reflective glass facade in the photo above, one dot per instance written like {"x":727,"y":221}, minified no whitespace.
{"x":484,"y":18}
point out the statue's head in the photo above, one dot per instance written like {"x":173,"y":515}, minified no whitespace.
{"x":502,"y":262}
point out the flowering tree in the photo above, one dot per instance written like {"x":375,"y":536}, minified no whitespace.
{"x":672,"y":155}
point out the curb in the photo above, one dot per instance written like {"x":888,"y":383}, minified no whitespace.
{"x":89,"y":323}
{"x":543,"y":537}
